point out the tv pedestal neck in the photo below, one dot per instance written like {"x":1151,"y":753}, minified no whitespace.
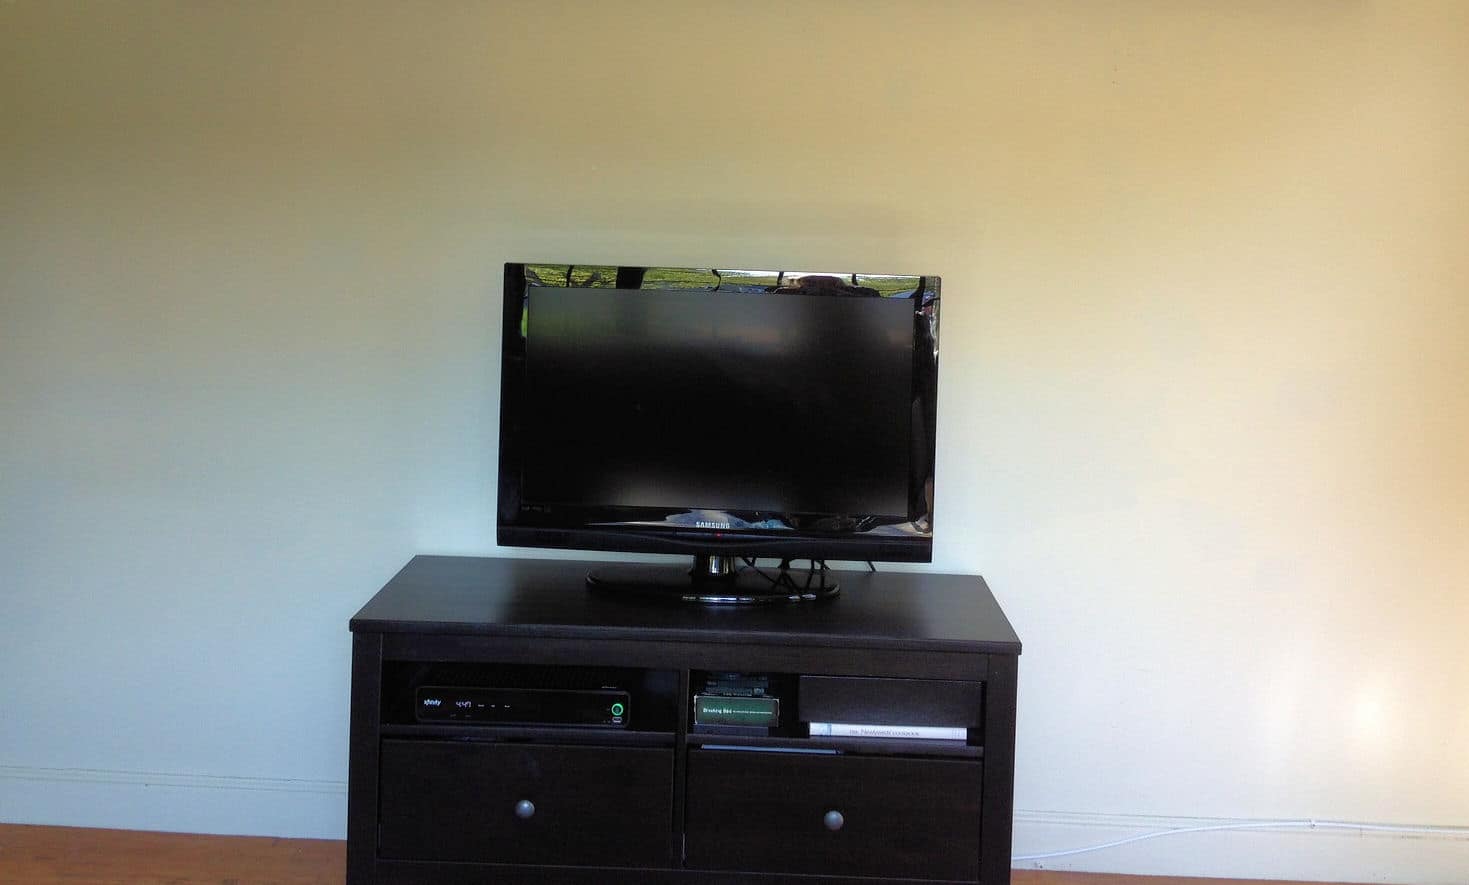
{"x":716,"y":580}
{"x":654,"y":795}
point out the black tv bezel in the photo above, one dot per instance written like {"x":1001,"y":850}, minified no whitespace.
{"x":610,"y":528}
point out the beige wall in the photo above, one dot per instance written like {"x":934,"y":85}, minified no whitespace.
{"x":1204,"y":395}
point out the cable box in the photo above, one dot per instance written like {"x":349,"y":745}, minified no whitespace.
{"x":604,"y":708}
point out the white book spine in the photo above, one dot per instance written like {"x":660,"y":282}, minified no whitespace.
{"x":916,"y":732}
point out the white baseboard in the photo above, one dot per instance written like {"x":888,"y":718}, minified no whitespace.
{"x":317,"y":809}
{"x":1259,"y":849}
{"x":184,"y":803}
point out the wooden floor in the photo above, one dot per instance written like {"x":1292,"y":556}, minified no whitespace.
{"x":70,"y":856}
{"x":46,"y":855}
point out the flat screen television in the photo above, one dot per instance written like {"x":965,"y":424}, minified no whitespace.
{"x":722,"y":413}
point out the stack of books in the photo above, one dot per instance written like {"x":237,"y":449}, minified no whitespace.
{"x":871,"y":730}
{"x":737,"y":704}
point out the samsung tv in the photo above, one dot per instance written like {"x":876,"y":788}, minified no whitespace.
{"x":726,"y":414}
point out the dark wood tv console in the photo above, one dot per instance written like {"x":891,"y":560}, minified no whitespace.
{"x":651,"y":799}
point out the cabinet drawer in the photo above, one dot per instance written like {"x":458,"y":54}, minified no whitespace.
{"x":838,"y":815}
{"x":524,"y":803}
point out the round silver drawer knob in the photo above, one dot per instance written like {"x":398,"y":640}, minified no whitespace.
{"x":833,"y":820}
{"x":524,"y":809}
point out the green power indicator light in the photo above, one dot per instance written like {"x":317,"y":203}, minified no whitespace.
{"x":617,"y":709}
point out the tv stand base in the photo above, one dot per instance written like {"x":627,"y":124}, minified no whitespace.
{"x":714,"y":580}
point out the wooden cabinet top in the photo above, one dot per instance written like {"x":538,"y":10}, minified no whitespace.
{"x":544,"y":597}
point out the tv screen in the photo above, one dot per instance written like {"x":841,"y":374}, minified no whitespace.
{"x":719,"y":411}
